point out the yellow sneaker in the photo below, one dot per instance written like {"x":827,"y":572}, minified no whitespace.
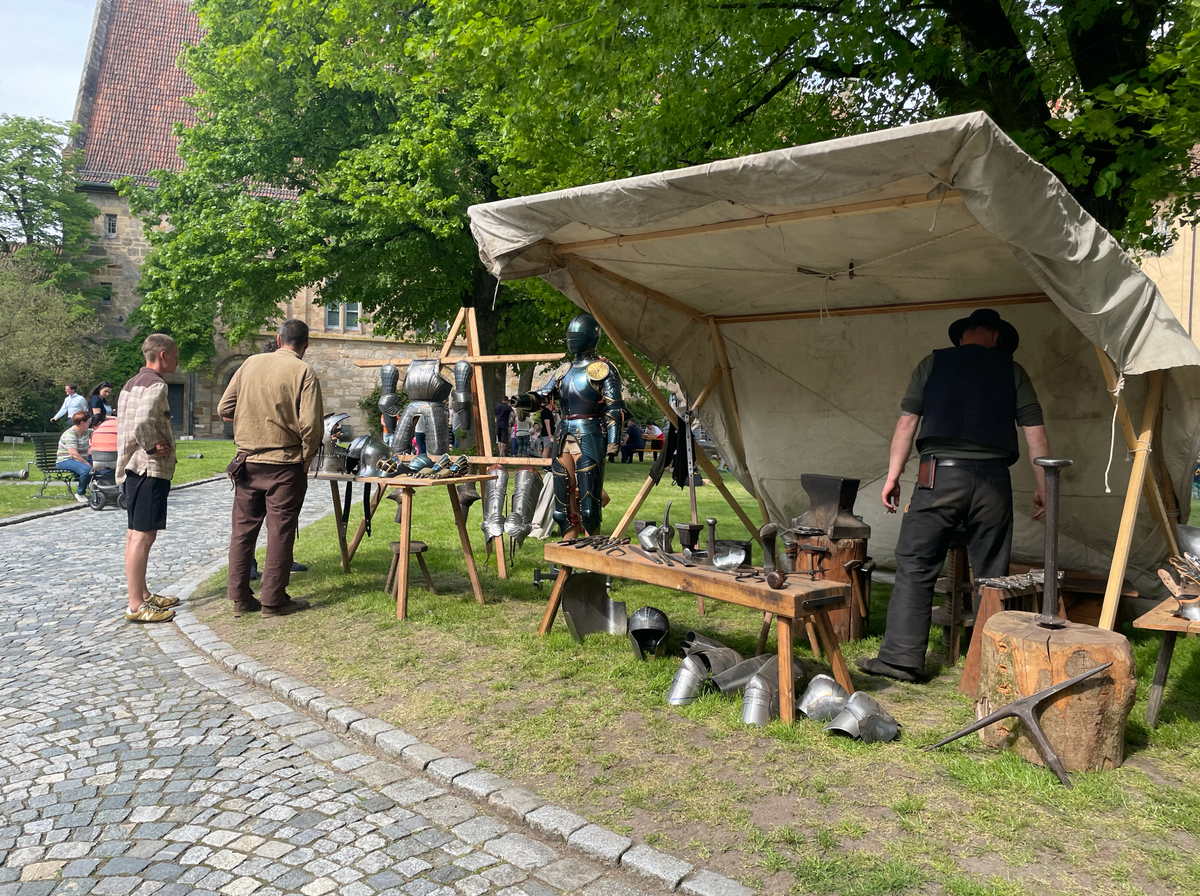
{"x":147,"y":612}
{"x":162,"y":602}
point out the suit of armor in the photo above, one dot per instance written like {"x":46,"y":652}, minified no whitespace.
{"x":592,"y":417}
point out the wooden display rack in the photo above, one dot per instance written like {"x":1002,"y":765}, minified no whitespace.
{"x":466,"y":325}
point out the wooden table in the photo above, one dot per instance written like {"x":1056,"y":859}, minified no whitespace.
{"x":1163,"y":619}
{"x":407,"y":485}
{"x":800,"y":600}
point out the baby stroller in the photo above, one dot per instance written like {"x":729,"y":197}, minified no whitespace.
{"x":104,"y":490}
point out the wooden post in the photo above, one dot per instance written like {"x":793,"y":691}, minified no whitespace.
{"x":634,"y":506}
{"x":1154,"y":494}
{"x":341,"y":523}
{"x":464,"y":539}
{"x":787,"y":681}
{"x":564,"y":573}
{"x":1133,"y":494}
{"x":406,"y":496}
{"x":448,"y":346}
{"x":727,"y":376}
{"x":362,"y":526}
{"x":712,"y":383}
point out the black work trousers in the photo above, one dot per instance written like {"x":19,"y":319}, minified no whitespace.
{"x":274,"y":493}
{"x":980,"y":496}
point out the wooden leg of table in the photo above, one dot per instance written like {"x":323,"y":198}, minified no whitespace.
{"x":1160,"y":678}
{"x":469,"y":558}
{"x":700,"y":603}
{"x":341,"y":524}
{"x":501,"y":564}
{"x":787,"y":682}
{"x":813,"y":642}
{"x":555,"y":598}
{"x":406,"y":496}
{"x":425,"y":573}
{"x":833,"y":650}
{"x":763,"y":632}
{"x":362,"y":526}
{"x":989,"y":605}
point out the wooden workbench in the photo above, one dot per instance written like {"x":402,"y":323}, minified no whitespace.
{"x":1163,"y":619}
{"x":801,"y":599}
{"x":407,"y":486}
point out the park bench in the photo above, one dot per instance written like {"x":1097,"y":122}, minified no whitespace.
{"x":45,"y":452}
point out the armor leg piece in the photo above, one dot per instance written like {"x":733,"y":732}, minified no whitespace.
{"x":589,"y":479}
{"x":562,"y":495}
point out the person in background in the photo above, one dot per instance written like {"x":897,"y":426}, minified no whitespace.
{"x":633,"y":442}
{"x":654,"y":437}
{"x":274,"y":402}
{"x":72,"y":403}
{"x":503,"y":425}
{"x":98,"y":405}
{"x":546,"y":429}
{"x":72,"y":453}
{"x":523,"y":430}
{"x":419,"y":435}
{"x":145,"y":464}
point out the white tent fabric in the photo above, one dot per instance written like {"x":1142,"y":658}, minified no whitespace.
{"x":867,"y":248}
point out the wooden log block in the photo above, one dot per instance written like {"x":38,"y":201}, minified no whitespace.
{"x":1085,"y":724}
{"x":850,"y":623}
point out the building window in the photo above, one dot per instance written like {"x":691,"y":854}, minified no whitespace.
{"x":105,"y":295}
{"x":342,"y":317}
{"x":110,"y":225}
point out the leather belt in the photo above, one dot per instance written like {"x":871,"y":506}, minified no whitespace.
{"x":971,"y":462}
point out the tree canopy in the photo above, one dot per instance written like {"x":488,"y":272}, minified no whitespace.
{"x":41,"y":215}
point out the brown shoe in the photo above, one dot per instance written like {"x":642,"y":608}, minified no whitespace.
{"x":285,"y":609}
{"x":162,"y":602}
{"x":147,"y":612}
{"x":242,"y":607}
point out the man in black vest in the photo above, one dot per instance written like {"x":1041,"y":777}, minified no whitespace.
{"x":969,"y":397}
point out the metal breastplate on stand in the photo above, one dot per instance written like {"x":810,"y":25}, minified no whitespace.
{"x":580,"y":399}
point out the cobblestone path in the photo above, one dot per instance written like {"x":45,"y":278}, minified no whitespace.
{"x":130,"y":764}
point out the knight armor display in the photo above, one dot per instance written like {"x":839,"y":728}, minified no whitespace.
{"x":593,"y":417}
{"x":494,"y":492}
{"x":427,"y":393}
{"x":526,"y":488}
{"x":389,"y":401}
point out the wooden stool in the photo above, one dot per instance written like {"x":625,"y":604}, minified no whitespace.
{"x":958,"y":612}
{"x":1163,"y":619}
{"x":414,"y":547}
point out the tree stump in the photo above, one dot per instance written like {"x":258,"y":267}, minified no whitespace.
{"x":850,"y":623}
{"x":1086,"y":723}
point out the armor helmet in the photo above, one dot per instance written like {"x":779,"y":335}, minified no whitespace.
{"x":864,"y":718}
{"x":1189,"y":539}
{"x":354,"y":449}
{"x":823,"y":699}
{"x":370,"y":454}
{"x":648,"y":630}
{"x":583,"y":334}
{"x":333,"y":426}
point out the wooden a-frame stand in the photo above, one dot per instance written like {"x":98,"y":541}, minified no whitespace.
{"x":465,"y":324}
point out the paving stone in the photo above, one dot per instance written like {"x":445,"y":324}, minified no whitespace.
{"x":366,"y":730}
{"x":608,"y":887}
{"x":342,"y":718}
{"x":707,"y":883}
{"x":516,"y":801}
{"x":479,"y":829}
{"x":556,"y":821}
{"x":419,"y":755}
{"x":413,"y":790}
{"x":600,"y":843}
{"x":447,"y":769}
{"x":394,"y":742}
{"x":480,"y":784}
{"x":521,"y":851}
{"x":568,"y":874}
{"x":448,"y":810}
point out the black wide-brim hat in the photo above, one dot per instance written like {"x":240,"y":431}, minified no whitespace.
{"x":987,"y":317}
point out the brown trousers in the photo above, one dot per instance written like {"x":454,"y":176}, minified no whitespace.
{"x":274,"y":493}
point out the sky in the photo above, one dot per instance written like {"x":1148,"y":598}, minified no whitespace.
{"x":42,"y":44}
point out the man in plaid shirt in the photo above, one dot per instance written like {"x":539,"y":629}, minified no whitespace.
{"x":145,"y":464}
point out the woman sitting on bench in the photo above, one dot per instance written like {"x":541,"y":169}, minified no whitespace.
{"x":73,"y":445}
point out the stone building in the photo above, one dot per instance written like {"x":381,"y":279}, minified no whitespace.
{"x":130,"y":97}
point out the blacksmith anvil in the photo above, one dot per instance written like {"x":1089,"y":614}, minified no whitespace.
{"x":831,"y":507}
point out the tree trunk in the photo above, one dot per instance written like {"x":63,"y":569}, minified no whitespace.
{"x":1084,"y":724}
{"x":526,"y":379}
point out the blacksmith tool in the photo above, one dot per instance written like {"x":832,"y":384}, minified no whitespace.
{"x":1053,"y":467}
{"x":711,"y":548}
{"x":816,"y":555}
{"x":646,"y":554}
{"x":1025,"y":710}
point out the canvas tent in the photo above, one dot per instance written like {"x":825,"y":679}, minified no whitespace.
{"x":795,"y":290}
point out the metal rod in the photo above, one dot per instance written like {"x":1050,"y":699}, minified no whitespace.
{"x":1053,"y":468}
{"x":691,"y":461}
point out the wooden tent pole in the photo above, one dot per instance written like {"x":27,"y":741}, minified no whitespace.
{"x":634,"y":506}
{"x":713,"y":382}
{"x":1154,"y":496}
{"x":452,"y":336}
{"x":485,"y":444}
{"x":1133,"y":494}
{"x":727,"y":374}
{"x":665,"y":406}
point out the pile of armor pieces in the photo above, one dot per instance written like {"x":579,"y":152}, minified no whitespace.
{"x":710,"y":665}
{"x":1187,"y":565}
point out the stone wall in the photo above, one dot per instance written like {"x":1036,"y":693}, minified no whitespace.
{"x":124,"y":252}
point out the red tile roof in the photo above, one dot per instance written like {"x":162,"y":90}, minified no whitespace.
{"x":139,"y":90}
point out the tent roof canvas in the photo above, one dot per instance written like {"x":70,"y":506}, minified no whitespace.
{"x":827,"y":271}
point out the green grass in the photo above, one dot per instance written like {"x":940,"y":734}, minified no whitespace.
{"x":17,"y":497}
{"x":785,"y":808}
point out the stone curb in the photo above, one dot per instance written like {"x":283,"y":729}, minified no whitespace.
{"x":66,"y":508}
{"x":575,"y":832}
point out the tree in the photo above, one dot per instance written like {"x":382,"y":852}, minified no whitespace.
{"x":41,"y":214}
{"x":43,"y":338}
{"x":318,"y":160}
{"x":1104,"y":92}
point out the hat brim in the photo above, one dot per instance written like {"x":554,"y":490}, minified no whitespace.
{"x":1009,"y":337}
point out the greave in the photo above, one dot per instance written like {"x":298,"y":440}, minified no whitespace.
{"x":525,"y":494}
{"x":494,"y":492}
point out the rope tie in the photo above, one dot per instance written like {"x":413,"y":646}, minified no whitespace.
{"x":1112,"y":437}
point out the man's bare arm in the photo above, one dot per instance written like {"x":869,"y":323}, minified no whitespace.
{"x":1039,"y":446}
{"x":902,"y":440}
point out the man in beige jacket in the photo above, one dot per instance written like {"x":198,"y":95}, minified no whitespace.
{"x":274,"y":402}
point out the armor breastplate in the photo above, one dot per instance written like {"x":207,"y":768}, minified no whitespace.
{"x":579,"y":397}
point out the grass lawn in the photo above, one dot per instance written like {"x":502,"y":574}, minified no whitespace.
{"x":785,"y":809}
{"x":17,"y":497}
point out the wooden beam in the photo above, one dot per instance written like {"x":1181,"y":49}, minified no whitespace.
{"x":848,"y":210}
{"x":665,"y":406}
{"x":484,"y":442}
{"x":1154,"y":496}
{"x":634,"y":507}
{"x":708,"y":389}
{"x":1027,"y":298}
{"x":1133,"y":494}
{"x":646,"y":292}
{"x":452,"y":336}
{"x":727,"y":375}
{"x":539,"y":358}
